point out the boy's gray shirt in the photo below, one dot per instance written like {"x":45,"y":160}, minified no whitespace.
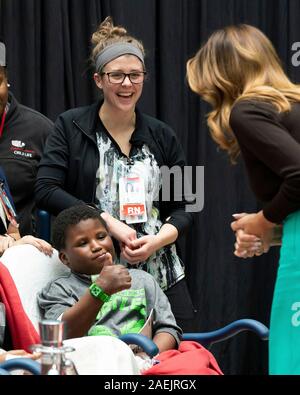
{"x":125,"y":312}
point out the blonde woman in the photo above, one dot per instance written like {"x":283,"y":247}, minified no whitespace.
{"x":256,"y":111}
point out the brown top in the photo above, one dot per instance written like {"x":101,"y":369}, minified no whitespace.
{"x":269,"y":143}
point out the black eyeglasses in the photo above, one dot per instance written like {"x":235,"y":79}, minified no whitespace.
{"x":116,"y":77}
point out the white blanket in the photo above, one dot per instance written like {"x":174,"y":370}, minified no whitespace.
{"x":99,"y":355}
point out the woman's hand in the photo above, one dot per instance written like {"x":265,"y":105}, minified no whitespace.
{"x":140,"y":249}
{"x":40,"y":244}
{"x":18,"y":354}
{"x":253,"y":224}
{"x":6,"y":242}
{"x":246,"y":246}
{"x":254,"y":234}
{"x":118,"y":229}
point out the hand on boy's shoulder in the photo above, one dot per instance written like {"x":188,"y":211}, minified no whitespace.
{"x":113,"y":279}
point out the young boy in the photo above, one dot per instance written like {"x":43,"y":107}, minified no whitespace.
{"x":99,"y":297}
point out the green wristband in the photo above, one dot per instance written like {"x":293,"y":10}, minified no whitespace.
{"x":97,"y":292}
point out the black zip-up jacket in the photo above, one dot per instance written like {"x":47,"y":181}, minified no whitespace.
{"x":21,"y":146}
{"x":67,"y":171}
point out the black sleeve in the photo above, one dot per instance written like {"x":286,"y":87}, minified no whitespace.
{"x":50,"y":194}
{"x":260,"y":134}
{"x":173,"y":211}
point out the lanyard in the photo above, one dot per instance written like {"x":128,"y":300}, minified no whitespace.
{"x":7,"y":206}
{"x":2,"y":123}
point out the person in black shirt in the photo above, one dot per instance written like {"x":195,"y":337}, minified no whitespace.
{"x":23,"y":133}
{"x":110,"y":154}
{"x":256,"y":111}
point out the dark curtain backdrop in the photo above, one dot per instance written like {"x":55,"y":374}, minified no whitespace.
{"x":48,"y":44}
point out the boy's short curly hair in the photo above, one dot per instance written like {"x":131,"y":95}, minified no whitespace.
{"x":72,"y":216}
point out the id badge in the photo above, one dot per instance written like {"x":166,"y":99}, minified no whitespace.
{"x":3,"y":216}
{"x":7,"y":207}
{"x":132,"y":200}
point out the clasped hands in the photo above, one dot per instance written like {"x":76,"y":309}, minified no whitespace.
{"x":133,"y":249}
{"x":254,"y":234}
{"x":138,"y":250}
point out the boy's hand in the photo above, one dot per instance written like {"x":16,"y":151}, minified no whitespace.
{"x":114,"y":279}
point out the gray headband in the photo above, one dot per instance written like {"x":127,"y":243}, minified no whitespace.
{"x":113,"y":51}
{"x":2,"y":55}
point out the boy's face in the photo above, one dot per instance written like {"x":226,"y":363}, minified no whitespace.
{"x":88,"y":247}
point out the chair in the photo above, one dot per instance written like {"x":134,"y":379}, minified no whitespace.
{"x":20,"y":363}
{"x":31,"y":271}
{"x":43,"y":225}
{"x":206,"y":339}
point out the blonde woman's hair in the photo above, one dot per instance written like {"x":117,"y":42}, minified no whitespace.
{"x":107,"y":34}
{"x":238,"y":63}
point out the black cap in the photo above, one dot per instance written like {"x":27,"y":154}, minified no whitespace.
{"x":2,"y":54}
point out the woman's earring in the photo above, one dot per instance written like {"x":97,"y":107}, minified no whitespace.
{"x":8,"y":85}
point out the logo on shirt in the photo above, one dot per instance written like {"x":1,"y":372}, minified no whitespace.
{"x":18,"y":149}
{"x":129,"y":308}
{"x":18,"y":144}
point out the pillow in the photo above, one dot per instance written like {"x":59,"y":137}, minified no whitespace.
{"x":31,"y":270}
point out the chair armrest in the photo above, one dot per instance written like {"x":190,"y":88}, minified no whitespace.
{"x":43,"y":224}
{"x":142,"y":341}
{"x":208,"y":338}
{"x":22,"y":363}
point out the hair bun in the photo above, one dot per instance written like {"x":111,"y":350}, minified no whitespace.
{"x":107,"y":34}
{"x":107,"y":30}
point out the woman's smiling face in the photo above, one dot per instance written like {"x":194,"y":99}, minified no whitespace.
{"x":122,"y":96}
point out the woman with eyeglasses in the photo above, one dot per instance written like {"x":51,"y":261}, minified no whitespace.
{"x":109,"y":154}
